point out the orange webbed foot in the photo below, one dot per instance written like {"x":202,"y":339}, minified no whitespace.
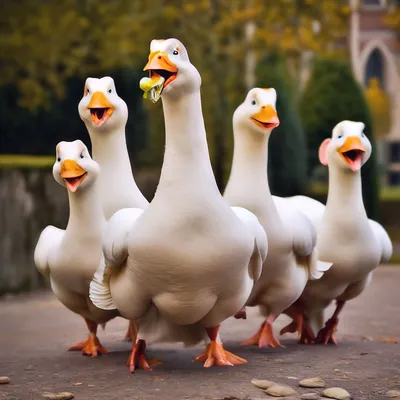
{"x":91,"y":347}
{"x":263,"y":338}
{"x":137,"y":358}
{"x":326,"y":334}
{"x":215,"y":354}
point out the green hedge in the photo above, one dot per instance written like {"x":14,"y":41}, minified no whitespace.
{"x":287,"y":154}
{"x":332,"y":95}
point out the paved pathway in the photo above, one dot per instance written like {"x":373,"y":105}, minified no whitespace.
{"x":35,"y":331}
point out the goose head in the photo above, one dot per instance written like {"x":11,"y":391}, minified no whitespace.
{"x":74,"y":168}
{"x":171,"y":73}
{"x":100,"y":107}
{"x":348,"y":148}
{"x":258,"y":112}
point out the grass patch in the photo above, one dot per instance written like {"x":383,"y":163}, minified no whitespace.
{"x":25,"y":161}
{"x":390,"y":193}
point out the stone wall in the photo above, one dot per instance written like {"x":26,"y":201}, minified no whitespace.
{"x":30,"y":199}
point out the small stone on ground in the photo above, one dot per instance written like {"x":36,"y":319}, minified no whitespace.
{"x":337,"y":393}
{"x":262,"y":384}
{"x":312,"y":383}
{"x":58,"y":396}
{"x":281,"y":391}
{"x":393,"y":394}
{"x":4,"y":380}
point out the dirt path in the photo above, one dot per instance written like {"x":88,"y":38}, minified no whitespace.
{"x":35,"y":331}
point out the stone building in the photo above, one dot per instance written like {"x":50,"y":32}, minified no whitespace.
{"x":375,"y":53}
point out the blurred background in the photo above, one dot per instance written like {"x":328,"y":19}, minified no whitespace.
{"x":328,"y":59}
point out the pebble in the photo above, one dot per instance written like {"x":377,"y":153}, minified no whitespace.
{"x":4,"y":380}
{"x":393,"y":394}
{"x":280,"y":391}
{"x":337,"y":393}
{"x":310,"y":396}
{"x":58,"y":396}
{"x":262,"y":384}
{"x":312,"y":383}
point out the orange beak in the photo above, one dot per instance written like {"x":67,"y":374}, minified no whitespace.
{"x":351,"y":151}
{"x":100,"y":108}
{"x":160,"y":64}
{"x":267,"y":117}
{"x":73,"y":174}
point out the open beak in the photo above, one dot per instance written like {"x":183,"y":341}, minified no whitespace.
{"x":100,"y":108}
{"x":161,"y":73}
{"x":267,"y":117}
{"x":73,"y":174}
{"x":352,"y":151}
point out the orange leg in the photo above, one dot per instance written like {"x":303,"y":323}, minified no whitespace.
{"x":92,"y":346}
{"x":137,"y":358}
{"x":300,"y":325}
{"x":241,"y":314}
{"x":265,"y":336}
{"x":326,"y":334}
{"x":215,"y":354}
{"x":131,"y":333}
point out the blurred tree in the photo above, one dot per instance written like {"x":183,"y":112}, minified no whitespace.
{"x":37,"y":132}
{"x":43,"y":44}
{"x":332,"y":95}
{"x":379,"y":106}
{"x":393,"y":17}
{"x":287,"y":162}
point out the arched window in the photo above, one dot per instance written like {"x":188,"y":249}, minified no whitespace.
{"x":374,"y":68}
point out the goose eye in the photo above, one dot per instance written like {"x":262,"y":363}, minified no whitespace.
{"x":58,"y":159}
{"x":109,"y":90}
{"x":254,"y":102}
{"x":362,"y":135}
{"x":87,"y":92}
{"x":175,"y":52}
{"x":340,"y":136}
{"x":82,"y":155}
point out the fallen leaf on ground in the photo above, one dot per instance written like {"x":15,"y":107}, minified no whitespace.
{"x":389,"y":340}
{"x":59,"y":396}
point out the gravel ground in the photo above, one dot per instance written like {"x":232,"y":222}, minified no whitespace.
{"x":35,"y":331}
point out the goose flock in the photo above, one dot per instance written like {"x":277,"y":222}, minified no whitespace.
{"x":176,"y":268}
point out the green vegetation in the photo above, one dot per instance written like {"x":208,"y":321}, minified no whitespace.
{"x":287,"y":162}
{"x":24,"y":161}
{"x":332,"y":95}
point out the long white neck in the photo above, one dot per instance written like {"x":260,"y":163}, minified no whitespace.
{"x":345,"y":200}
{"x":86,"y":217}
{"x":117,"y":184}
{"x":111,"y":152}
{"x":186,"y":158}
{"x":249,"y":176}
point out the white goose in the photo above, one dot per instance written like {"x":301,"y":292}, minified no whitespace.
{"x":70,"y":257}
{"x":291,"y":258}
{"x":187,"y":255}
{"x":355,"y":244}
{"x":105,"y":115}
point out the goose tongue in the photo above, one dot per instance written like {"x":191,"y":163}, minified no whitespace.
{"x":353,"y":158}
{"x":152,"y":87}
